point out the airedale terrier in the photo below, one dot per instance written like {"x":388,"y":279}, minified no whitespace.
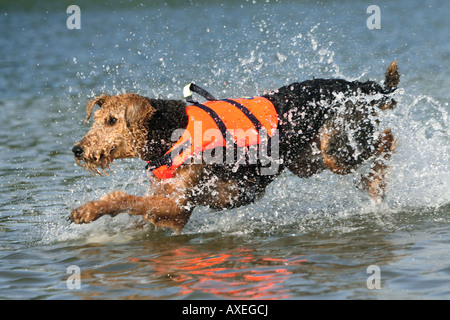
{"x":307,"y":127}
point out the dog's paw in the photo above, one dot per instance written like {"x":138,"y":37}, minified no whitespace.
{"x":86,"y":213}
{"x":374,"y":183}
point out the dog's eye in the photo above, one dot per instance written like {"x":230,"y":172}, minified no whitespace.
{"x":112,"y":121}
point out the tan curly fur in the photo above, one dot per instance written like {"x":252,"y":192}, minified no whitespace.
{"x":118,"y":130}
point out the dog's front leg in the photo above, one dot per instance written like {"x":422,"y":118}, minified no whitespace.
{"x":168,"y":204}
{"x":110,"y":204}
{"x":160,"y":210}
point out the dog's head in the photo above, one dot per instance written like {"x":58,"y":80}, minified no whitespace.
{"x":119,"y":131}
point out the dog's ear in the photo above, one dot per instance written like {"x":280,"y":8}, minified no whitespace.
{"x":138,"y":111}
{"x":92,"y":103}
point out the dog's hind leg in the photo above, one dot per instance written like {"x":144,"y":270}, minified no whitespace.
{"x":329,"y":138}
{"x":309,"y":162}
{"x":374,"y":182}
{"x":346,"y":140}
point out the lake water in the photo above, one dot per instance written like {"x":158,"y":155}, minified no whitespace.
{"x":310,"y":238}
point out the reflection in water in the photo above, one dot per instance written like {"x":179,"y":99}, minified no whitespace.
{"x":182,"y":267}
{"x":237,"y":274}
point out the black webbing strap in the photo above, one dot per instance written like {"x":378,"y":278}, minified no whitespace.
{"x":192,"y":87}
{"x":220,"y":124}
{"x":247,"y":113}
{"x":166,"y":160}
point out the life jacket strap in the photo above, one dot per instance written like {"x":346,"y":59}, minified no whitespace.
{"x":166,"y":160}
{"x":193,"y":88}
{"x":247,"y":113}
{"x":220,"y":124}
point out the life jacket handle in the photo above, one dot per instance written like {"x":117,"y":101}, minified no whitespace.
{"x":191,"y":88}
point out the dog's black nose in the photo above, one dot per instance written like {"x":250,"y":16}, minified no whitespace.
{"x":77,"y":151}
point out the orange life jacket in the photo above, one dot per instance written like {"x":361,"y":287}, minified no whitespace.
{"x":241,"y":119}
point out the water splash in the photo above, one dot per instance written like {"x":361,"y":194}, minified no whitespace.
{"x":264,"y":60}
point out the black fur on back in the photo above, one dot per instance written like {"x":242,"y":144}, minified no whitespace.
{"x":303,"y":108}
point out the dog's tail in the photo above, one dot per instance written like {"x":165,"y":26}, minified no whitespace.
{"x":392,"y":77}
{"x":390,"y":85}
